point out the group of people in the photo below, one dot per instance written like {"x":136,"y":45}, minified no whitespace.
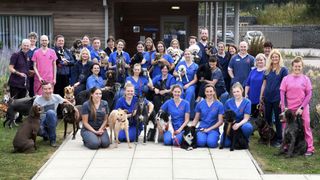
{"x":198,"y":84}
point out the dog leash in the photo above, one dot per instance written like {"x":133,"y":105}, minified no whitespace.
{"x":175,"y":139}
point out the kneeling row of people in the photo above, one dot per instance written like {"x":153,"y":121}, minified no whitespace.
{"x":208,"y":113}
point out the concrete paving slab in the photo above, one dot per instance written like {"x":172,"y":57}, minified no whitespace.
{"x":63,"y":172}
{"x":312,"y":177}
{"x":68,"y":163}
{"x":151,"y":163}
{"x":283,"y":177}
{"x":233,"y":163}
{"x":106,"y":173}
{"x":153,"y":154}
{"x":194,"y":173}
{"x":150,"y":173}
{"x":64,"y":154}
{"x":237,"y":174}
{"x":199,"y":153}
{"x":192,"y":163}
{"x":116,"y":153}
{"x":110,"y":163}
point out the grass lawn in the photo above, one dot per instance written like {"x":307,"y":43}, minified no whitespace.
{"x":20,"y":165}
{"x":272,"y":164}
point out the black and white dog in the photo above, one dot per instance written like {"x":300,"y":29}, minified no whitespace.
{"x":189,"y":140}
{"x":238,"y":141}
{"x":293,"y":142}
{"x":17,"y":106}
{"x":164,"y":123}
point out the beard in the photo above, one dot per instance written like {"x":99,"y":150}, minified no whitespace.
{"x":204,"y":38}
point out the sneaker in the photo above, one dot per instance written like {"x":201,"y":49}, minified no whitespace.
{"x":53,"y":144}
{"x":308,"y":154}
{"x":276,"y":144}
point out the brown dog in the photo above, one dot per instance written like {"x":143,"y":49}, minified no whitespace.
{"x":25,"y":138}
{"x":69,"y":94}
{"x":71,"y":116}
{"x":118,"y":120}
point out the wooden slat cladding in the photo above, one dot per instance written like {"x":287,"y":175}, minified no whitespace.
{"x":72,"y":19}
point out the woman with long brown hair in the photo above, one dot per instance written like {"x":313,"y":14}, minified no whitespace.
{"x":94,"y":119}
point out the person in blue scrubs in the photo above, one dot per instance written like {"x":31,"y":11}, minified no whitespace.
{"x":161,"y":85}
{"x":94,"y":80}
{"x":270,"y":91}
{"x":141,"y":83}
{"x":128,"y":102}
{"x":113,"y":60}
{"x":240,"y":65}
{"x":188,"y":79}
{"x":254,"y":83}
{"x":210,"y":113}
{"x":179,"y":110}
{"x":163,"y":59}
{"x":149,"y":50}
{"x":242,"y":108}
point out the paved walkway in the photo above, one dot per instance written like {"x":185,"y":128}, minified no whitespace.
{"x":153,"y":161}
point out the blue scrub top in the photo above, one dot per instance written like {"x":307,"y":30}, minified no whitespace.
{"x":122,"y":104}
{"x":147,"y":56}
{"x":254,"y":81}
{"x":138,"y":85}
{"x":209,"y":115}
{"x":113,"y":57}
{"x":241,"y":68}
{"x":95,"y":54}
{"x":156,"y":81}
{"x":244,"y":108}
{"x":273,"y":81}
{"x":177,"y":113}
{"x":191,"y":71}
{"x":94,"y":81}
{"x":156,"y":70}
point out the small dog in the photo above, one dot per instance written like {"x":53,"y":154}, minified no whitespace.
{"x":111,"y":78}
{"x":141,"y":116}
{"x":293,"y":136}
{"x":15,"y":106}
{"x":69,"y":94}
{"x":163,"y":121}
{"x":137,"y":58}
{"x":238,"y":141}
{"x":118,"y":120}
{"x":189,"y":140}
{"x":175,"y":54}
{"x":72,"y":117}
{"x":25,"y":138}
{"x":267,"y":133}
{"x":75,"y":49}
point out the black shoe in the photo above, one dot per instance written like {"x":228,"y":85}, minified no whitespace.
{"x":45,"y":138}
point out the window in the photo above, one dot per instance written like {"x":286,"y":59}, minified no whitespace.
{"x":15,"y":28}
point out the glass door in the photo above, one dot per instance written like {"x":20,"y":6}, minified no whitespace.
{"x":174,"y":27}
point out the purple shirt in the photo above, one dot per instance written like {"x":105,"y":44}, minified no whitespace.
{"x":20,"y":64}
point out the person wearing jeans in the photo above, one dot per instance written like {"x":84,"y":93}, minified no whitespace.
{"x":48,"y":119}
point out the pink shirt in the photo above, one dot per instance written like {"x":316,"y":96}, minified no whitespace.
{"x":297,"y":90}
{"x":45,"y":63}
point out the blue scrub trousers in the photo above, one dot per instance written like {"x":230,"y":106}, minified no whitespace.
{"x":168,"y":141}
{"x":247,"y":130}
{"x":209,"y":139}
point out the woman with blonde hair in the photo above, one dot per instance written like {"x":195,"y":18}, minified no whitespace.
{"x":296,"y":92}
{"x":254,"y":83}
{"x":270,"y":93}
{"x":81,"y":70}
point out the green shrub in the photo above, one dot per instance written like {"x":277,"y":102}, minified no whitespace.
{"x":256,"y":46}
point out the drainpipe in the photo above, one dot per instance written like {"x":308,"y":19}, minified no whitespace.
{"x":106,"y":21}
